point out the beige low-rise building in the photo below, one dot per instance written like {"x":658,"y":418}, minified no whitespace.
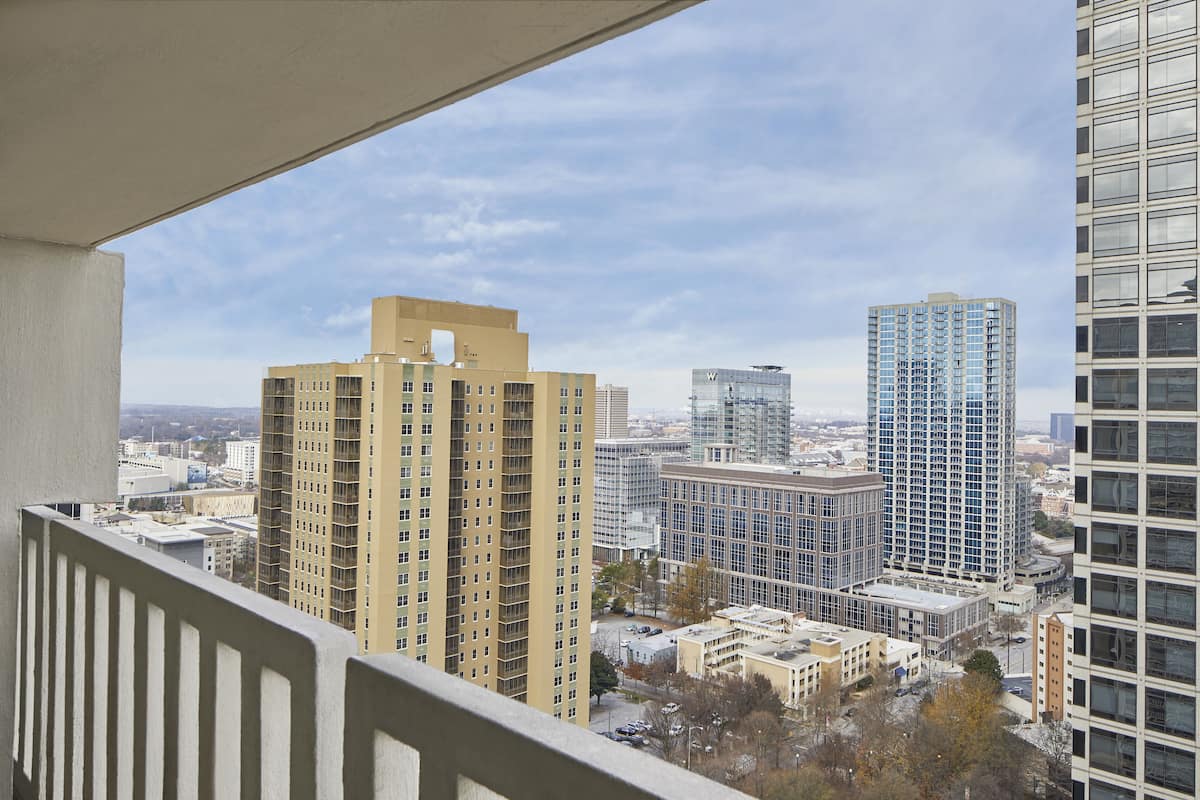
{"x":798,"y":656}
{"x":1054,"y":635}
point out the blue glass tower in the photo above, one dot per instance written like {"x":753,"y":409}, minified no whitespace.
{"x":941,"y":411}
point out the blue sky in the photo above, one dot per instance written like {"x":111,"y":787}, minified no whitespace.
{"x":732,"y":186}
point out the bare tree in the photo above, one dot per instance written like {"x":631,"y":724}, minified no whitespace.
{"x":661,"y":725}
{"x":1055,"y":741}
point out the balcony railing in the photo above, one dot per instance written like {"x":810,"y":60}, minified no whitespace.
{"x":141,"y":676}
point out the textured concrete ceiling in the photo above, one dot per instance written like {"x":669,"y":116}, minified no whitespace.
{"x":116,"y":115}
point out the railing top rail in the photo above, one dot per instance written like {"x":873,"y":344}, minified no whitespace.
{"x":459,"y":729}
{"x":214,"y":606}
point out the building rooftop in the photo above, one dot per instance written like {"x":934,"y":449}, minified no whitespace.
{"x":799,"y":477}
{"x":924,"y":596}
{"x":655,"y":643}
{"x":170,"y":536}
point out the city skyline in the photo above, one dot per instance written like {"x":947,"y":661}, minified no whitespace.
{"x":513,"y":198}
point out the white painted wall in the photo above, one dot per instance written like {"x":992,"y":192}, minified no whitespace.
{"x":60,"y":371}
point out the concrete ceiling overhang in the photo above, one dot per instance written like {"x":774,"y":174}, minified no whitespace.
{"x":116,"y":115}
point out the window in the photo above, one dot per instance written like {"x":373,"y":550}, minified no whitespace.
{"x":1114,"y":185}
{"x":1171,"y":282}
{"x":1115,"y":492}
{"x":1119,"y":133}
{"x":1171,"y":713}
{"x":1166,"y":72}
{"x":1119,"y":83}
{"x":1081,"y":338}
{"x":1082,"y":143}
{"x":1114,"y":440}
{"x":1171,"y":604}
{"x":1081,"y":389}
{"x":1171,"y":229}
{"x":1099,"y":790}
{"x":1115,"y":34}
{"x":1171,"y":389}
{"x":1171,"y":442}
{"x":1171,"y":496}
{"x":1114,"y":595}
{"x":1114,"y":389}
{"x":1171,"y":19}
{"x":1114,"y":700}
{"x":1115,"y":286}
{"x":1170,"y":767}
{"x":1116,"y":337}
{"x":1172,"y":176}
{"x":1171,"y":336}
{"x":1081,"y":239}
{"x":1081,"y":288}
{"x":1082,"y":41}
{"x":1113,"y":752}
{"x":1115,"y":236}
{"x":1169,"y":658}
{"x":1082,"y":91}
{"x":1171,"y":551}
{"x":1114,"y":647}
{"x":1171,"y":124}
{"x":1114,"y":544}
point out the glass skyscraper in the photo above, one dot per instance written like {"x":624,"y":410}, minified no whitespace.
{"x":941,"y":411}
{"x":1134,"y":663}
{"x":748,"y":408}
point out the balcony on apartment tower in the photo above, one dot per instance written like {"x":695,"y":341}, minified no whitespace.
{"x":125,"y":673}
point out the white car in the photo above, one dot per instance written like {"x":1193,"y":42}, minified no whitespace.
{"x":670,"y":708}
{"x":676,"y":730}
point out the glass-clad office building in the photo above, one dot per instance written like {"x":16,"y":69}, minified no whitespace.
{"x":748,"y":408}
{"x":941,"y":416}
{"x":1134,"y":665}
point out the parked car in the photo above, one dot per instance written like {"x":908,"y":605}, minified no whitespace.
{"x":1019,"y":640}
{"x":641,"y":724}
{"x":670,"y":708}
{"x":629,"y":612}
{"x":675,"y":729}
{"x":901,"y":691}
{"x":631,"y":628}
{"x":656,"y":631}
{"x":644,"y":629}
{"x":610,"y":735}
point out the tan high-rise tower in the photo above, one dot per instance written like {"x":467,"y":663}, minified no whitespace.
{"x":440,"y":510}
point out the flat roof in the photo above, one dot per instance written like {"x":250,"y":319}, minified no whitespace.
{"x":171,"y":536}
{"x":925,"y":596}
{"x":784,"y":477}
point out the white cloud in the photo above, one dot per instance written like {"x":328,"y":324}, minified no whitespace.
{"x":348,"y":317}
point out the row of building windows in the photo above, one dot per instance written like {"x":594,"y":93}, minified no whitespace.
{"x":1171,"y":496}
{"x":1166,"y":230}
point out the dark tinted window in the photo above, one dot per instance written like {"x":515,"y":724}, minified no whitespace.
{"x":1171,"y":442}
{"x":1113,"y":752}
{"x":1081,"y":539}
{"x":1171,"y":389}
{"x":1080,"y":590}
{"x":1082,"y":140}
{"x":1082,"y":91}
{"x":1081,"y":189}
{"x":1081,"y":388}
{"x":1171,"y":336}
{"x":1114,"y":647}
{"x":1171,"y":496}
{"x":1170,"y":767}
{"x":1115,"y":338}
{"x":1081,"y":239}
{"x":1082,"y":42}
{"x":1081,"y":288}
{"x":1114,"y":595}
{"x":1081,"y":338}
{"x":1114,"y":700}
{"x":1081,"y":439}
{"x":1173,"y":659}
{"x":1114,"y":544}
{"x":1115,"y":389}
{"x":1171,"y":604}
{"x":1171,"y":713}
{"x":1112,"y":440}
{"x":1116,"y":492}
{"x":1170,"y":550}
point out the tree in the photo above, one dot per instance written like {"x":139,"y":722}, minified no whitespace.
{"x":1055,"y":741}
{"x":695,"y":592}
{"x":985,"y":663}
{"x":1037,"y":469}
{"x":741,"y":698}
{"x":806,"y":783}
{"x":1008,"y":624}
{"x":651,"y":588}
{"x":660,"y":730}
{"x":604,"y":676}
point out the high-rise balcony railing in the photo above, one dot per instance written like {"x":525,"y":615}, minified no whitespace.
{"x":141,"y":676}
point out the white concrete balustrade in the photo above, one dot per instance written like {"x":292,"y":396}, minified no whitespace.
{"x":139,"y":676}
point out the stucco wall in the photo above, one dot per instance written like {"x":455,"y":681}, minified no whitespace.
{"x":60,"y":371}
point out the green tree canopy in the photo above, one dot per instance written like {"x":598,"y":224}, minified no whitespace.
{"x":985,"y":663}
{"x":604,"y":675}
